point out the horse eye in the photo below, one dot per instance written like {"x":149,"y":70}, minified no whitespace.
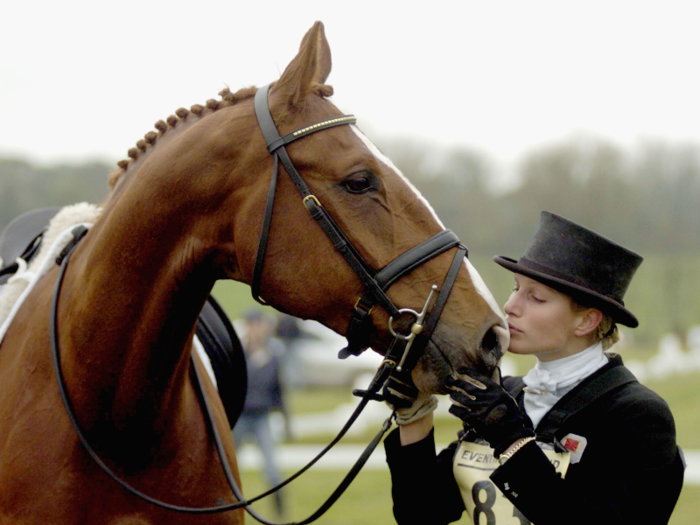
{"x":358,"y":185}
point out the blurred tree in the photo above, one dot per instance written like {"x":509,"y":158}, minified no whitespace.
{"x":25,"y":187}
{"x":667,"y":179}
{"x":454,"y":181}
{"x":583,"y":180}
{"x":644,"y":197}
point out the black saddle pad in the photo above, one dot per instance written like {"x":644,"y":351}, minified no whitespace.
{"x":225,"y":352}
{"x":22,"y":237}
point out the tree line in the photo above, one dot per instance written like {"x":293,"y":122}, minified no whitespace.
{"x":25,"y":186}
{"x":645,"y":198}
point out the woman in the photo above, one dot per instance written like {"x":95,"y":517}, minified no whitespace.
{"x":578,"y":439}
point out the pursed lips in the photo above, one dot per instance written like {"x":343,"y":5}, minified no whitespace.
{"x":514,"y":329}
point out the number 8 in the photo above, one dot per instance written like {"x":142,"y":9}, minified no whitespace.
{"x":484,"y":507}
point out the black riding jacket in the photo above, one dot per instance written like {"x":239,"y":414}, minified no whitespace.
{"x":631,"y":471}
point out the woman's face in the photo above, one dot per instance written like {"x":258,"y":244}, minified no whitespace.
{"x":541,"y":321}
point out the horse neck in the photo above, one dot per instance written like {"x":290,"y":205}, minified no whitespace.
{"x":127,"y":314}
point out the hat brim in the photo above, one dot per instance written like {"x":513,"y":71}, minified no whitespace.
{"x":609,"y":306}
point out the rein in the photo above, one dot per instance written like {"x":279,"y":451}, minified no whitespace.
{"x":376,"y":283}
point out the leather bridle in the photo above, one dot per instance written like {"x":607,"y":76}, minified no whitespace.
{"x":375,"y":282}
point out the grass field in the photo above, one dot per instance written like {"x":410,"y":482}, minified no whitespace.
{"x":368,"y":500}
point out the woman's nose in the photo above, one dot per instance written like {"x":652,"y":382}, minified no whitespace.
{"x":510,"y":308}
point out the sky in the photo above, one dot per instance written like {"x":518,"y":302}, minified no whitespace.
{"x":84,"y":80}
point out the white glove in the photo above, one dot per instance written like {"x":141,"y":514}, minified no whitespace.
{"x":421,"y":407}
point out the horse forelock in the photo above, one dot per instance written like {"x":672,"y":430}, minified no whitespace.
{"x":150,"y":139}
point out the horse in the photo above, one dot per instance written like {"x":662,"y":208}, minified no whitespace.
{"x":183,"y":211}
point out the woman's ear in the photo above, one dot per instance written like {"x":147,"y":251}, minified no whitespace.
{"x":589,"y":319}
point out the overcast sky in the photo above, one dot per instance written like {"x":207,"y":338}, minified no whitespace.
{"x":86,"y":79}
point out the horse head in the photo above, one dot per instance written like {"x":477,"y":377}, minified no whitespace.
{"x":219,"y":154}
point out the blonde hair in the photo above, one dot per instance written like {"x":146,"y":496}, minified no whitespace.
{"x":606,"y":331}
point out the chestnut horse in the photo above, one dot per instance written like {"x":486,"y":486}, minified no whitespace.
{"x":185,"y":210}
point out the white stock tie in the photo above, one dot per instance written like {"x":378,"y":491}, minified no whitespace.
{"x":549,"y":381}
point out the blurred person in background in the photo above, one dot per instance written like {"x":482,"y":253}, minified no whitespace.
{"x":265,"y":395}
{"x":290,"y":334}
{"x":577,"y":440}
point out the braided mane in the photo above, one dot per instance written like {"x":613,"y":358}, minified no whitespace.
{"x":163,"y":126}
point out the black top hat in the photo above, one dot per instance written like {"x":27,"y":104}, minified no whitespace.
{"x":591,"y":269}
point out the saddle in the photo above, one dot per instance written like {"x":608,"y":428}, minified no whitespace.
{"x":22,"y":239}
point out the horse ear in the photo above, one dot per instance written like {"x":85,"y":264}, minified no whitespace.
{"x":308,"y":71}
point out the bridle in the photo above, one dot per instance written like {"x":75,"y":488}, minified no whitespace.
{"x":376,"y":284}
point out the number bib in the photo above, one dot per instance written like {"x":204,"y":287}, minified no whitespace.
{"x":485,"y":503}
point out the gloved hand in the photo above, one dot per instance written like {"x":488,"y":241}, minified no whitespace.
{"x":489,"y":410}
{"x":409,"y":403}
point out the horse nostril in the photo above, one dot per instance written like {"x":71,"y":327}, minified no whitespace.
{"x":491,"y":344}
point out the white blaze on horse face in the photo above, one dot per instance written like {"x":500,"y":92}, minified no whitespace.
{"x":501,"y":330}
{"x":483,"y":290}
{"x":387,"y":162}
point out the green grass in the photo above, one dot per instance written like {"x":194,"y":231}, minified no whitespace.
{"x":309,"y":400}
{"x":235,"y":298}
{"x":368,"y":499}
{"x":688,"y":507}
{"x":682,"y":393}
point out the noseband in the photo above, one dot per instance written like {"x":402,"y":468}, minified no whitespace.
{"x":376,"y":282}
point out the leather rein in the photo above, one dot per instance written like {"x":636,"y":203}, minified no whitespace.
{"x":376,"y":284}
